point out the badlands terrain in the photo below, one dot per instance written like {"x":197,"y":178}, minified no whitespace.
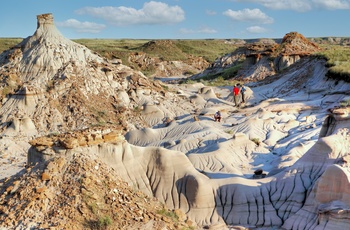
{"x":90,"y":143}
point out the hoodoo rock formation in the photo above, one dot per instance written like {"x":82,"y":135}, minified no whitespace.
{"x":52,"y":85}
{"x":292,"y":130}
{"x":59,"y":85}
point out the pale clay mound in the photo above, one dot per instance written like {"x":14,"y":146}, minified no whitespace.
{"x":291,"y":128}
{"x":81,"y":192}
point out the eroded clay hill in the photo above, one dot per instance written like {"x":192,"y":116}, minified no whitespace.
{"x":258,"y":60}
{"x":294,"y":43}
{"x":310,"y":194}
{"x":53,"y":87}
{"x":181,"y":64}
{"x":79,"y":191}
{"x":52,"y":84}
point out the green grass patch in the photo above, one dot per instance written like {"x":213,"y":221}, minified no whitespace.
{"x":229,"y":131}
{"x":6,"y":43}
{"x":209,"y":49}
{"x":256,"y":141}
{"x":231,"y":71}
{"x":104,"y":221}
{"x":170,"y":214}
{"x":94,"y":208}
{"x":168,"y":50}
{"x":337,"y":56}
{"x":338,"y":61}
{"x":345,"y":102}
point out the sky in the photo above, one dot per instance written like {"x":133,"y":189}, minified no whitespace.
{"x":179,"y":19}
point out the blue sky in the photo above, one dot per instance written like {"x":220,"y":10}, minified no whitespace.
{"x":179,"y":19}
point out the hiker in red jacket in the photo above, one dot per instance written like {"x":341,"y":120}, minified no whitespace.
{"x":236,"y":94}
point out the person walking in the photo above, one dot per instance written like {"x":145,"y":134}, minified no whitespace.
{"x":217,"y":116}
{"x":243,"y":89}
{"x":236,"y":94}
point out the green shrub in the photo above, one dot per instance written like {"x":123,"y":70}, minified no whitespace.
{"x":231,"y":71}
{"x":229,"y":131}
{"x":189,"y":73}
{"x":345,"y":103}
{"x":256,"y":141}
{"x":104,"y":221}
{"x":94,"y":208}
{"x":170,"y":214}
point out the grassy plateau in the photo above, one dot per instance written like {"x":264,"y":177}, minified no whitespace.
{"x":337,"y":56}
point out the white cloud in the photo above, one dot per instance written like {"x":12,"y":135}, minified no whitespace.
{"x":82,"y":27}
{"x":256,"y":30}
{"x":332,"y":4}
{"x":202,"y":30}
{"x":249,"y":15}
{"x":301,"y":5}
{"x":297,"y":5}
{"x":151,"y":13}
